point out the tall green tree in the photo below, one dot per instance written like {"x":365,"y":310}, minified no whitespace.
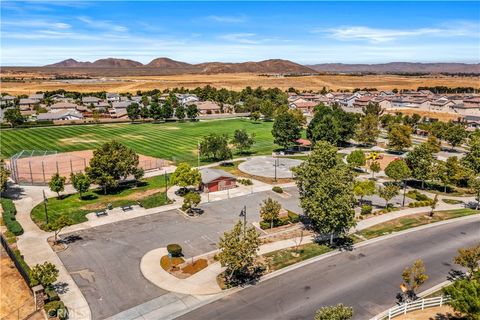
{"x":4,"y":175}
{"x":420,"y":161}
{"x":156,"y":111}
{"x":472,"y":158}
{"x":338,"y":312}
{"x":433,"y":143}
{"x":398,"y":170}
{"x":57,"y":183}
{"x":215,"y":146}
{"x":45,"y":274}
{"x":267,"y":109}
{"x":415,"y":275}
{"x":367,"y":130}
{"x":242,"y":140}
{"x":133,"y":111}
{"x":465,"y":297}
{"x":399,"y":137}
{"x":238,"y":250}
{"x":388,"y":193}
{"x":14,"y":117}
{"x":286,"y":130}
{"x":111,"y":162}
{"x":469,"y":258}
{"x":185,"y":176}
{"x":58,"y":225}
{"x":180,"y":112}
{"x":167,"y":109}
{"x":192,"y":111}
{"x":363,"y":188}
{"x":375,"y":168}
{"x":81,"y":182}
{"x":325,"y":184}
{"x":357,"y":158}
{"x":455,"y":134}
{"x":270,"y":211}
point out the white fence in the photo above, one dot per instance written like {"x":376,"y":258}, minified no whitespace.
{"x":411,"y":306}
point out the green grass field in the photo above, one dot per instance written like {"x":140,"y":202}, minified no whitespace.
{"x":171,"y":141}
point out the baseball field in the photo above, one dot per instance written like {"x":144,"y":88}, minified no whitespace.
{"x":171,"y":141}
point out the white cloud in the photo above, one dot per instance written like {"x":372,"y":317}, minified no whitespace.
{"x":36,"y":23}
{"x":239,"y":38}
{"x":227,"y":19}
{"x":378,"y":35}
{"x":104,"y":25}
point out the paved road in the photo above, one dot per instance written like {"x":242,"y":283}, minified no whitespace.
{"x":366,"y":278}
{"x":105,"y":262}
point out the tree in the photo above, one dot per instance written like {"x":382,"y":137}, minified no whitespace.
{"x":4,"y":175}
{"x":215,"y":146}
{"x":433,"y":205}
{"x":13,"y":116}
{"x":398,"y":170}
{"x":414,"y":276}
{"x":338,"y":312}
{"x":455,"y":134}
{"x":192,"y":111}
{"x":45,"y":274}
{"x":144,"y":113}
{"x":388,"y":193}
{"x":185,"y":176}
{"x":167,"y":110}
{"x":81,"y":182}
{"x":190,"y":201}
{"x":367,"y":129}
{"x":270,"y":211}
{"x":357,"y":158}
{"x":156,"y":111}
{"x":363,"y":188}
{"x":474,"y":183}
{"x":375,"y":168}
{"x":434,"y":144}
{"x":399,"y":137}
{"x":255,"y":116}
{"x":267,"y":109}
{"x":325,"y":185}
{"x":238,"y":250}
{"x":465,"y":297}
{"x":57,"y":183}
{"x":133,"y":111}
{"x":331,"y":124}
{"x":472,"y":158}
{"x":298,"y":114}
{"x":180,"y":112}
{"x":286,"y":130}
{"x":469,"y":258}
{"x":111,"y":162}
{"x":372,"y":108}
{"x":242,"y":141}
{"x":420,"y":161}
{"x":58,"y":224}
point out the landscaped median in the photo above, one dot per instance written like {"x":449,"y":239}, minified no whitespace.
{"x":149,"y":193}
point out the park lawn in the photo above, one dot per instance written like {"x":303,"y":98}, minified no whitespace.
{"x":150,"y":193}
{"x":232,"y":167}
{"x":175,"y":141}
{"x":284,"y":258}
{"x":413,"y":221}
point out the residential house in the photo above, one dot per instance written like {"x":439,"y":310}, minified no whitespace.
{"x":66,"y":106}
{"x":90,"y":100}
{"x":208,"y":107}
{"x":113,"y":97}
{"x":27,"y":104}
{"x":60,"y":115}
{"x":303,"y":105}
{"x":187,"y":98}
{"x":36,"y":96}
{"x":443,"y":104}
{"x":119,"y":109}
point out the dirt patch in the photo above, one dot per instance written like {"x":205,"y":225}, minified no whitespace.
{"x":134,"y":196}
{"x":436,"y":313}
{"x":78,"y":140}
{"x":133,"y":136}
{"x":170,"y":128}
{"x":17,"y":301}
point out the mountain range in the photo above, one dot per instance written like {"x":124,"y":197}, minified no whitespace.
{"x":167,"y":65}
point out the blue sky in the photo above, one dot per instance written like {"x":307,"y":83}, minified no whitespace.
{"x":42,"y":32}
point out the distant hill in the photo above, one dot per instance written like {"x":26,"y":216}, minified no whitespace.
{"x":397,"y":67}
{"x":168,"y":65}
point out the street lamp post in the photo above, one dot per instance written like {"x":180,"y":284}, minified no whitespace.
{"x":45,"y":200}
{"x":243,"y":214}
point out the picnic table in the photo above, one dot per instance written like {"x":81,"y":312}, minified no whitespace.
{"x":101,"y":213}
{"x":127,"y":207}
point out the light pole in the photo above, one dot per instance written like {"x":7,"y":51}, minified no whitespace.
{"x":166,"y":187}
{"x":45,"y":200}
{"x":276,"y":164}
{"x":243,"y":214}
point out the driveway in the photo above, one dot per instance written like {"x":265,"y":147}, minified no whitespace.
{"x":105,"y":261}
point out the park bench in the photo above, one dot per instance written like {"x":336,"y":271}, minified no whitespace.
{"x":127,"y":207}
{"x":101,"y":213}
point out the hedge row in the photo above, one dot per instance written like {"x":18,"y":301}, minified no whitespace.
{"x":9,"y":213}
{"x":291,"y":218}
{"x":417,"y":204}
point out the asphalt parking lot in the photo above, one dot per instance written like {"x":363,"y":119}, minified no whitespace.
{"x":105,"y":261}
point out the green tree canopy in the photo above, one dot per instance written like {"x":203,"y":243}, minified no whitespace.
{"x":472,"y":158}
{"x":364,"y":188}
{"x":242,"y":140}
{"x":180,"y":112}
{"x":469,"y":258}
{"x":4,"y":175}
{"x":185,"y":176}
{"x":57,"y":183}
{"x":399,"y":137}
{"x":420,"y":161}
{"x":367,"y":129}
{"x":81,"y":182}
{"x":111,"y":162}
{"x":455,"y":134}
{"x":388,"y":192}
{"x":190,"y":201}
{"x":414,"y":276}
{"x":57,"y":225}
{"x":45,"y":274}
{"x":270,"y":210}
{"x":357,"y":158}
{"x":286,"y":130}
{"x":133,"y":111}
{"x":398,"y":170}
{"x":215,"y":146}
{"x":325,"y":184}
{"x":465,"y":297}
{"x":192,"y":111}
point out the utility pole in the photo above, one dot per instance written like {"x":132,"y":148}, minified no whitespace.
{"x":166,"y":186}
{"x":45,"y":200}
{"x":243,"y":214}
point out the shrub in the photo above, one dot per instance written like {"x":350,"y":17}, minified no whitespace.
{"x":52,"y":294}
{"x":9,"y":212}
{"x":293,"y":217}
{"x":417,"y":204}
{"x":56,"y":309}
{"x":245,"y":182}
{"x":366,"y":209}
{"x":175,"y":250}
{"x":277,"y":189}
{"x":416,"y":195}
